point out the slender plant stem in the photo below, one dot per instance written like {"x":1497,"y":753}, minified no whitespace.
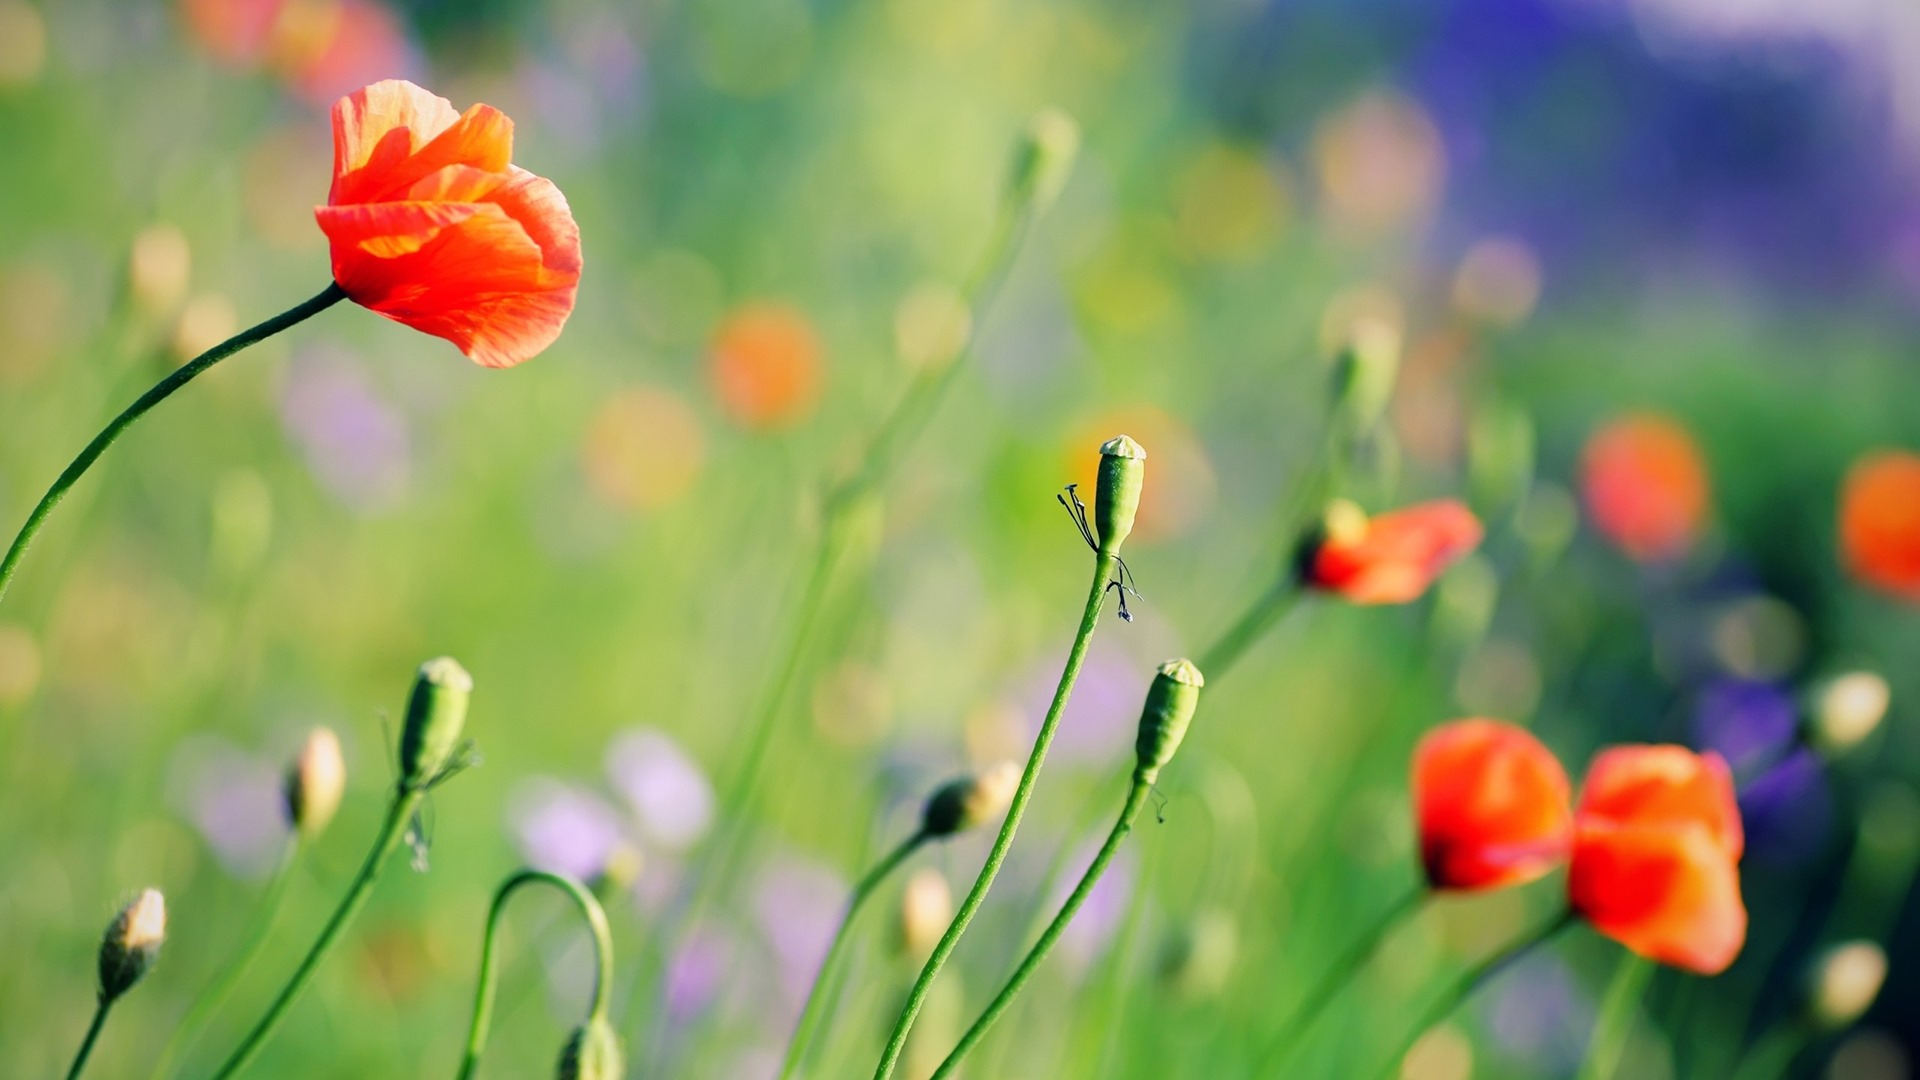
{"x":1469,"y":983}
{"x":1136,"y":798}
{"x":810,"y":1014}
{"x":1286,"y":1041}
{"x":405,"y":801}
{"x":210,"y":1000}
{"x":590,"y":910}
{"x":1253,"y":624}
{"x":162,"y":390}
{"x":1103,"y":567}
{"x":93,"y":1035}
{"x":1770,"y":1057}
{"x":1616,"y":1017}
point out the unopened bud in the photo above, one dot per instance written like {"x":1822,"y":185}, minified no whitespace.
{"x":926,"y":909}
{"x":592,"y":1053}
{"x":1844,"y":981}
{"x":1850,"y":709}
{"x":1171,"y":700}
{"x":132,"y":943}
{"x":1116,"y":496}
{"x":436,"y":713}
{"x":961,"y":804}
{"x":315,"y":783}
{"x":1364,"y":373}
{"x":1044,"y":158}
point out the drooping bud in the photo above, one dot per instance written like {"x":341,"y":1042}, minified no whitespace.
{"x":436,"y":713}
{"x":1043,"y":160}
{"x":1171,"y":699}
{"x":315,"y":783}
{"x":592,"y":1053}
{"x":1116,"y":495}
{"x":1364,"y":373}
{"x":132,"y":943}
{"x":1844,"y":981}
{"x":959,"y":805}
{"x":1850,"y":709}
{"x":926,"y":909}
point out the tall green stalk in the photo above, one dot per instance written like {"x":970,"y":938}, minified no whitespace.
{"x":590,"y":910}
{"x":162,"y":390}
{"x":1610,"y":1027}
{"x":193,"y":1024}
{"x":1261,"y":616}
{"x":92,"y":1036}
{"x":811,"y":1014}
{"x":400,"y":812}
{"x":1136,"y":798}
{"x":1104,"y":563}
{"x":1287,"y":1039}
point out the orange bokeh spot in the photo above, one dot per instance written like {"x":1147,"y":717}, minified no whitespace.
{"x":1645,"y":486}
{"x":1180,"y":485}
{"x":765,"y":365}
{"x":1880,"y":522}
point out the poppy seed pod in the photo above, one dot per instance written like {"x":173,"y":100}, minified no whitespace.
{"x":436,"y":713}
{"x":315,"y":783}
{"x":1163,"y":722}
{"x":592,"y":1053}
{"x":132,"y":943}
{"x":1044,"y":158}
{"x":1116,"y":495}
{"x":959,"y":805}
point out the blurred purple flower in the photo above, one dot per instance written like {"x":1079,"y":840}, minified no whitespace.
{"x":668,"y":791}
{"x":1102,"y":715}
{"x":1106,"y":907}
{"x":1788,"y":810}
{"x":234,"y":798}
{"x":355,"y":441}
{"x":561,"y":828}
{"x":1539,"y":1015}
{"x":698,"y":970}
{"x":1749,"y":723}
{"x":797,"y":905}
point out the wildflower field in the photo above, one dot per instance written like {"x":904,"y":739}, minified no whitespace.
{"x":753,"y":539}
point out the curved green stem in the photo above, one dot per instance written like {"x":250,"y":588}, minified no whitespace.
{"x":1103,"y":566}
{"x":1773,"y":1054}
{"x":1616,"y":1017}
{"x":1253,"y":624}
{"x":405,"y":801}
{"x":1136,"y":798}
{"x":1465,"y":987}
{"x":93,"y":1035}
{"x":162,"y":390}
{"x":215,"y":995}
{"x":596,"y":918}
{"x":810,"y":1014}
{"x":1287,"y":1040}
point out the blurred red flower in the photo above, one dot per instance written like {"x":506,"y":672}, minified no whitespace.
{"x":325,"y":48}
{"x":1656,"y":853}
{"x":1493,"y":804}
{"x":1391,"y":558}
{"x":1645,"y":486}
{"x":432,"y":225}
{"x":1880,"y":522}
{"x":765,"y":365}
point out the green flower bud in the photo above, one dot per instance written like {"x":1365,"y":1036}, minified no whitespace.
{"x":959,"y":805}
{"x":1364,"y":374}
{"x":315,"y":783}
{"x":436,"y":712}
{"x":1116,"y":495}
{"x":1163,"y":722}
{"x":1043,"y":160}
{"x":132,"y":943}
{"x":593,"y":1053}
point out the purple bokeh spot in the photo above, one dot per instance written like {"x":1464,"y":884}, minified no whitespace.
{"x":1747,"y":722}
{"x":355,"y":441}
{"x":666,"y":788}
{"x":235,"y":800}
{"x":560,"y":828}
{"x":1788,"y":810}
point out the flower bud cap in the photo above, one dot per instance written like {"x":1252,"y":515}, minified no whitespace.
{"x":436,"y":714}
{"x":1171,"y":700}
{"x":1116,"y":495}
{"x":962,"y":804}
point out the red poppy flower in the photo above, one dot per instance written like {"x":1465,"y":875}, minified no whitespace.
{"x":1656,"y":852}
{"x":1880,"y":522}
{"x":1392,"y":558}
{"x":432,"y":225}
{"x":1645,"y":486}
{"x":1494,"y":806}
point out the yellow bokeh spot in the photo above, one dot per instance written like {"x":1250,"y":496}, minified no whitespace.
{"x":931,"y":326}
{"x":1441,"y":1054}
{"x":644,"y":448}
{"x":206,"y":321}
{"x":1230,"y":205}
{"x":19,"y":666}
{"x":23,"y":43}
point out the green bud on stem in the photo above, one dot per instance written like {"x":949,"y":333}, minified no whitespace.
{"x":962,"y":804}
{"x":132,"y":943}
{"x":436,"y":713}
{"x":1116,"y":496}
{"x":1043,"y":160}
{"x":1163,"y":722}
{"x":593,"y":1053}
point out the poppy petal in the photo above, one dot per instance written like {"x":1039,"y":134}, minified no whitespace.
{"x":1669,"y":894}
